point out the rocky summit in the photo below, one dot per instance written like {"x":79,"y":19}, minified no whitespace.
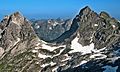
{"x":90,"y":43}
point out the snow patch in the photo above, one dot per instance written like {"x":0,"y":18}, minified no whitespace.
{"x":37,"y":44}
{"x":55,"y":23}
{"x":110,"y":68}
{"x":59,"y":52}
{"x":79,"y":48}
{"x":118,"y":21}
{"x":43,"y":56}
{"x":95,"y":24}
{"x":44,"y":65}
{"x":34,"y":51}
{"x":68,"y":58}
{"x":113,"y":26}
{"x":18,"y":39}
{"x":98,"y":56}
{"x":37,"y":62}
{"x":51,"y":63}
{"x":51,"y":48}
{"x":50,"y":28}
{"x":37,"y":48}
{"x":82,"y":62}
{"x":37,"y":27}
{"x":97,"y":51}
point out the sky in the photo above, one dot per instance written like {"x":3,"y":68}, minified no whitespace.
{"x":41,"y":9}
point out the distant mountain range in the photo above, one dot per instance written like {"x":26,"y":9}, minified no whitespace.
{"x":88,"y":43}
{"x":50,"y":29}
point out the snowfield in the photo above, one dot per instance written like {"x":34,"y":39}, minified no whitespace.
{"x":79,"y":48}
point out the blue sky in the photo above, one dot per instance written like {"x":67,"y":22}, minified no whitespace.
{"x":57,"y":8}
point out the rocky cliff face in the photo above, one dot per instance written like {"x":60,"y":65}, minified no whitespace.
{"x":17,"y":40}
{"x":102,"y":33}
{"x":101,"y":29}
{"x":91,"y":44}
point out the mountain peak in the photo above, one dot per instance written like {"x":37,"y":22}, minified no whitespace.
{"x":104,"y":15}
{"x":17,"y":18}
{"x":85,"y":10}
{"x":14,"y":28}
{"x":17,"y":13}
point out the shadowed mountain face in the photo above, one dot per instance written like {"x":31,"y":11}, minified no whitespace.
{"x":90,"y":43}
{"x":67,"y":34}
